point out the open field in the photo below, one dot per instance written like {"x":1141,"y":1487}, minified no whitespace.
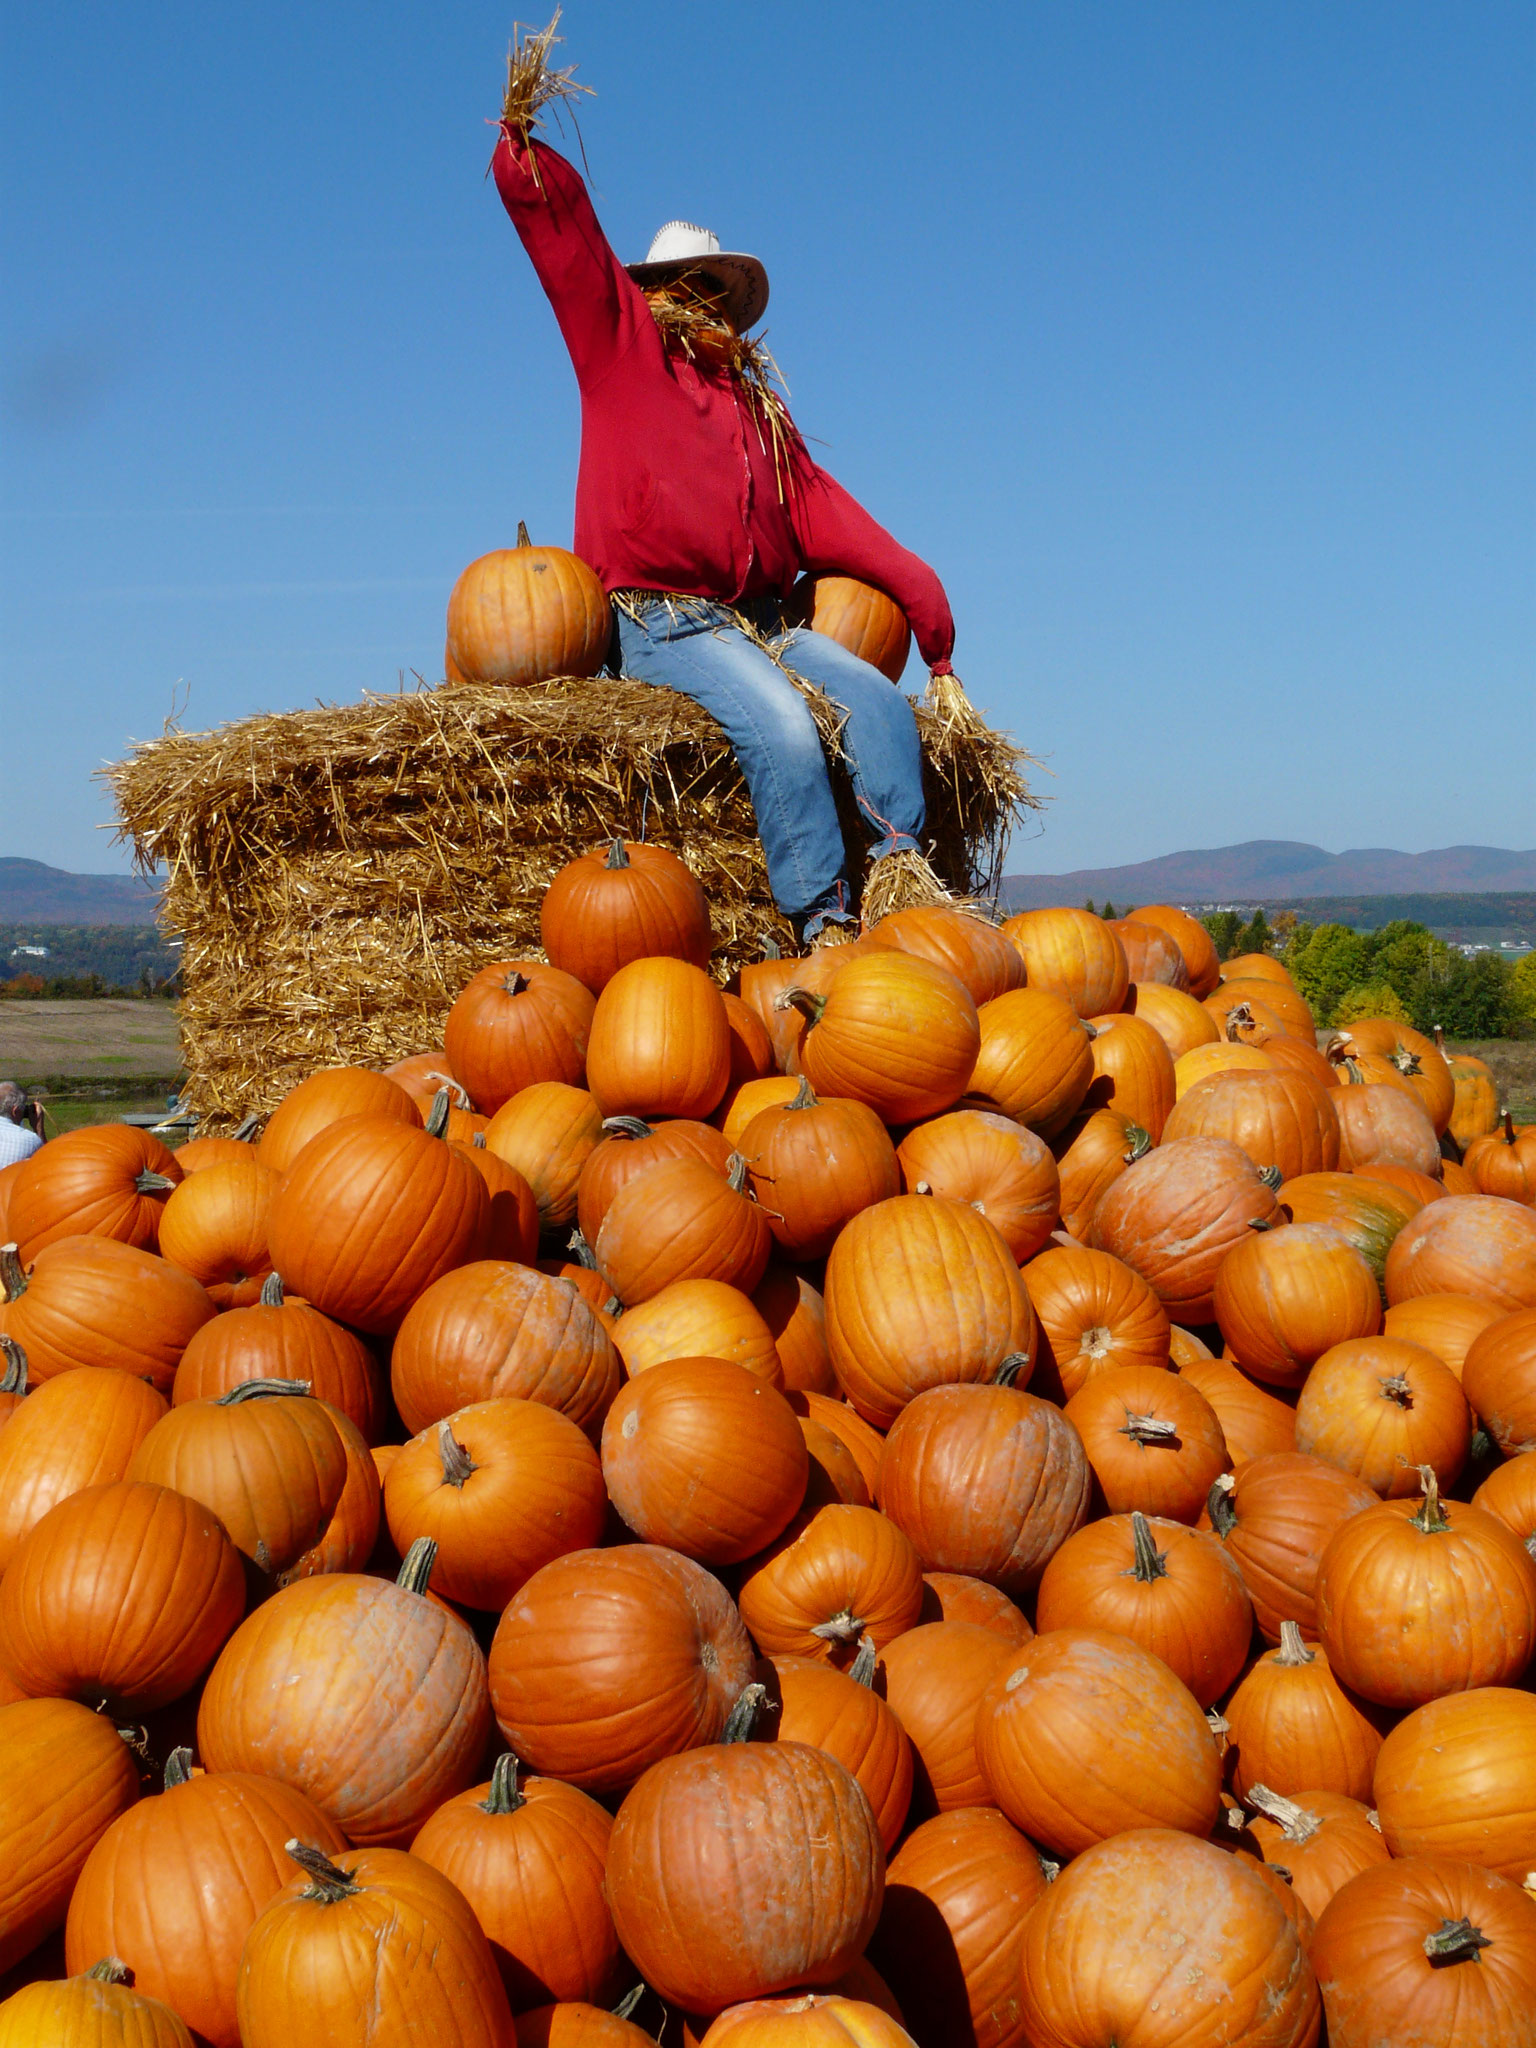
{"x":63,"y":1044}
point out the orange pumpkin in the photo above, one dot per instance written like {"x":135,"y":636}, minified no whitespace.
{"x":1174,"y":1215}
{"x":1150,"y":953}
{"x":1498,"y":1378}
{"x":1153,"y":1442}
{"x":107,"y":1180}
{"x":619,"y":903}
{"x":548,"y":1132}
{"x":841,"y":1713}
{"x":1092,"y":1153}
{"x":1384,"y":1125}
{"x":514,"y":1024}
{"x":1475,"y":1105}
{"x":78,"y":1430}
{"x":660,"y":1044}
{"x":1254,"y":1422}
{"x":1280,"y":1119}
{"x":527,"y":614}
{"x":93,"y":1301}
{"x":814,"y":1164}
{"x":1224,"y":1057}
{"x":743,"y":1101}
{"x":1133,"y":1072}
{"x":796,"y":1319}
{"x":1417,"y":1058}
{"x":281,"y":1339}
{"x":1454,"y":1778}
{"x":627,"y":1147}
{"x":1509,"y":1493}
{"x":1001,"y":1169}
{"x":1074,"y":955}
{"x":1365,"y":1214}
{"x":893,"y":1031}
{"x":97,"y":2006}
{"x":952,"y":1596}
{"x":1319,"y":1840}
{"x":1276,"y":1517}
{"x":1174,"y":1015}
{"x":1035,"y":1061}
{"x":979,"y":956}
{"x":1467,"y":1244}
{"x":681,"y":1220}
{"x":215,"y":1228}
{"x":1095,"y":1313}
{"x":1192,"y":939}
{"x":1381,"y":1408}
{"x":935,"y":1675}
{"x":1284,"y":1297}
{"x":835,"y":1574}
{"x":857,"y":616}
{"x":1281,"y":999}
{"x":324,"y":1099}
{"x":1504,"y":1163}
{"x":698,"y":1319}
{"x":1293,"y":1728}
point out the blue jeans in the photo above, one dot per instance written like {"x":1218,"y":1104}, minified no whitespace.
{"x":701,"y":653}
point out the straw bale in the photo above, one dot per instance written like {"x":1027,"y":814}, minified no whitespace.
{"x":337,"y":874}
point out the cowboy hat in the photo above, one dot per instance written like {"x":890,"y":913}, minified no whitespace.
{"x":680,"y":247}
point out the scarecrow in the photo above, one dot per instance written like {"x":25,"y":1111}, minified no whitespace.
{"x":698,"y":505}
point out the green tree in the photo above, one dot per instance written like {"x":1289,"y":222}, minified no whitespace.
{"x":1255,"y":936}
{"x":1324,"y":961}
{"x":1108,"y":911}
{"x":1088,"y":906}
{"x":1370,"y":999}
{"x":1474,"y":998}
{"x":1523,"y":982}
{"x":1224,"y":927}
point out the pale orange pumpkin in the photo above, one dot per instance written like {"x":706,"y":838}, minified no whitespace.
{"x":525,"y":615}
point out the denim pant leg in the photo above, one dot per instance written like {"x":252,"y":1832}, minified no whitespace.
{"x":885,"y":758}
{"x":774,"y":738}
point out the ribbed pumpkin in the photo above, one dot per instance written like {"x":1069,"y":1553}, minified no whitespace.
{"x":68,"y":1776}
{"x":264,"y":1457}
{"x":1201,"y":1062}
{"x":954,"y":1596}
{"x":13,"y":1378}
{"x":935,"y":1675}
{"x":96,"y":2010}
{"x":377,"y":1933}
{"x":1284,"y":1297}
{"x":1170,"y":1588}
{"x":743,"y":1100}
{"x":702,"y":1457}
{"x":326,"y":1098}
{"x":1175,"y":1215}
{"x":699,"y":1319}
{"x":1427,"y":1950}
{"x":1420,"y":1185}
{"x":619,"y":903}
{"x":1475,"y":1107}
{"x":215,"y":1227}
{"x":575,"y":2024}
{"x":1280,"y":1119}
{"x":1467,"y":1244}
{"x":1074,"y":955}
{"x":1276,"y":1518}
{"x":1091,"y":1154}
{"x":834,"y":1472}
{"x":1095,"y":1314}
{"x":1001,"y":1169}
{"x":1035,"y":1062}
{"x":627,"y":1147}
{"x":857,"y":616}
{"x":660,"y":1044}
{"x":1132,"y":1072}
{"x":92,"y":1301}
{"x":1384,"y":1125}
{"x":1443,"y":1323}
{"x":1192,"y":940}
{"x":1174,"y":1015}
{"x":107,"y":1180}
{"x":1381,"y":1408}
{"x":1154,"y":1443}
{"x":527,"y":614}
{"x":501,"y":1487}
{"x":832,"y":1412}
{"x":1457,"y":1777}
{"x":1099,"y":1952}
{"x":1418,"y":1059}
{"x":1509,"y":1492}
{"x":751,"y":1049}
{"x":78,"y":1430}
{"x":175,"y":1883}
{"x":607,"y":1660}
{"x":1293,"y":1727}
{"x":1280,"y":999}
{"x":837,"y":1573}
{"x":813,"y":1164}
{"x":1079,"y":1693}
{"x":516,"y":1023}
{"x":303,"y":1693}
{"x":681,"y":1220}
{"x":1365,"y":1214}
{"x":1254,"y":1422}
{"x":490,"y":1331}
{"x":744,"y":1869}
{"x":986,"y":1481}
{"x":951,"y":1931}
{"x":1150,"y":953}
{"x":281,"y":1339}
{"x":959,"y":1312}
{"x":1498,"y":1377}
{"x":349,"y":1538}
{"x":528,"y":1854}
{"x":123,"y":1594}
{"x":421,"y":1075}
{"x":548,"y":1131}
{"x":980,"y":957}
{"x":371,"y":1213}
{"x":1416,"y":1599}
{"x":841,"y":1713}
{"x":1318,"y":1840}
{"x":893,"y":1031}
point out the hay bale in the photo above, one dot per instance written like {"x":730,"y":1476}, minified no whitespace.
{"x":337,"y":875}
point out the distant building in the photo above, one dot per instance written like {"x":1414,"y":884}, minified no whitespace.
{"x":30,"y":952}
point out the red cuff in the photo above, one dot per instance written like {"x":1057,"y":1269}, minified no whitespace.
{"x":940,"y":668}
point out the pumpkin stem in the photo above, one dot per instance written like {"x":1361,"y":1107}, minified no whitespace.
{"x":516,"y":984}
{"x":149,"y":1183}
{"x":1218,"y":1504}
{"x":862,"y":1669}
{"x":1260,"y":1223}
{"x":924,"y":1187}
{"x":772,"y":950}
{"x":736,"y":1174}
{"x":1219,"y":1726}
{"x":178,"y":1768}
{"x":438,"y":1114}
{"x":245,"y":1131}
{"x":110,"y":1970}
{"x":477,"y":1142}
{"x":1239,"y":1018}
{"x":1293,"y":1651}
{"x":272,"y":1291}
{"x":1150,"y":1429}
{"x":1431,"y":1518}
{"x":504,"y":1795}
{"x":522,"y":534}
{"x":1010,"y":1368}
{"x":260,"y":1390}
{"x":796,"y":998}
{"x":12,"y":1276}
{"x":457,"y":1463}
{"x":1272,"y":1178}
{"x":742,"y":1719}
{"x":1407,"y":1063}
{"x":845,"y":1627}
{"x":1139,"y":1144}
{"x":327,"y":1883}
{"x":618,"y":857}
{"x":629,"y":2001}
{"x":805,"y":1097}
{"x":14,"y":1379}
{"x":581,"y":1251}
{"x":1507,"y":1137}
{"x":1150,"y":1562}
{"x":415,"y":1573}
{"x":1455,"y":1941}
{"x":1397,"y":1389}
{"x":627,"y":1127}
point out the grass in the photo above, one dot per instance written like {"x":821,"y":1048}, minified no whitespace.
{"x":70,"y":1112}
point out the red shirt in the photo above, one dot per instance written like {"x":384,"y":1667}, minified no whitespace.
{"x":676,"y":489}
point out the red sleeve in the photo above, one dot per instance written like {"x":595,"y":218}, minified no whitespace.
{"x":837,"y":536}
{"x":599,"y":306}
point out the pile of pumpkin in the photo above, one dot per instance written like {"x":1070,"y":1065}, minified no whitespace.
{"x":975,"y":1488}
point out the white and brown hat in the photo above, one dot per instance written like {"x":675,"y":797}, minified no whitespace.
{"x":680,"y":246}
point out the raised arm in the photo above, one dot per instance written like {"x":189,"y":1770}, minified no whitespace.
{"x":598,"y":305}
{"x":837,"y":536}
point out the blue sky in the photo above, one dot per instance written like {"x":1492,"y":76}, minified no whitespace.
{"x":1192,"y":343}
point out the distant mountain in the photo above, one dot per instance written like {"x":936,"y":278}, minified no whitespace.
{"x":32,"y":893}
{"x":1278,"y":871}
